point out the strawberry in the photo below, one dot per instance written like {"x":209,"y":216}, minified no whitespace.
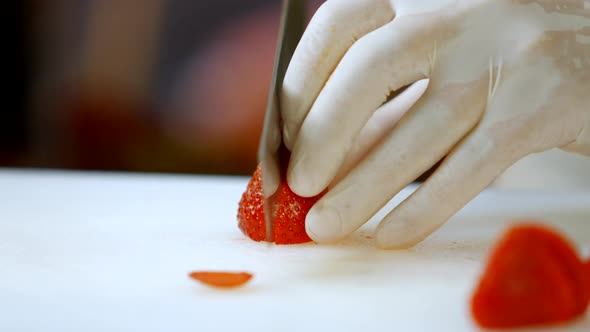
{"x":251,"y":209}
{"x":289,"y":224}
{"x":221,"y":279}
{"x":533,"y":276}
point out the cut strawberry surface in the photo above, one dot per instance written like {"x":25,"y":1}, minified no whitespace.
{"x":533,"y":277}
{"x":251,"y":209}
{"x":289,"y":223}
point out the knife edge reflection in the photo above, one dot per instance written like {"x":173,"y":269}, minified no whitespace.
{"x":269,"y":154}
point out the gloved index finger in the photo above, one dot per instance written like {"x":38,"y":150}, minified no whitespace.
{"x":332,"y":31}
{"x":381,"y":62}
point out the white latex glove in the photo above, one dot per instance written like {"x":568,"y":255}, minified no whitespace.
{"x":505,"y":79}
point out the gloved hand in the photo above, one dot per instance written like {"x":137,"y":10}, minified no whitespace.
{"x":504,"y":79}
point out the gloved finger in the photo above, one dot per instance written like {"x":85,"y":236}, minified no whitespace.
{"x":381,"y":62}
{"x":423,"y":137}
{"x":332,"y":31}
{"x":519,"y":120}
{"x":469,"y":169}
{"x":380,"y":124}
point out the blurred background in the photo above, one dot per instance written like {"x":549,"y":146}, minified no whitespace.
{"x":140,"y":85}
{"x":162,"y":86}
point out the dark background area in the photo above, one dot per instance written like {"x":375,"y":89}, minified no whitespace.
{"x":130,"y":85}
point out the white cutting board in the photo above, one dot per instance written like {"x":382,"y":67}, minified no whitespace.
{"x":110,"y":252}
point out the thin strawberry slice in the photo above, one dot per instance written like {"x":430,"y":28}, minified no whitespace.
{"x":221,"y":279}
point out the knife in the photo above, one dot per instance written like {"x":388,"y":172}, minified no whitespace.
{"x":271,"y":145}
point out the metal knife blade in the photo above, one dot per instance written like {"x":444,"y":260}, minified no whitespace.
{"x":271,"y":144}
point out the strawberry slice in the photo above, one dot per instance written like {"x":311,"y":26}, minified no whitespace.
{"x":289,"y":224}
{"x":533,"y":277}
{"x":221,"y":279}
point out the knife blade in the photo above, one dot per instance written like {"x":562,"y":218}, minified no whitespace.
{"x":271,"y":146}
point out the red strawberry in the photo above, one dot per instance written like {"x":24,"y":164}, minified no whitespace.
{"x":289,"y":225}
{"x":534,"y":276}
{"x":251,"y":209}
